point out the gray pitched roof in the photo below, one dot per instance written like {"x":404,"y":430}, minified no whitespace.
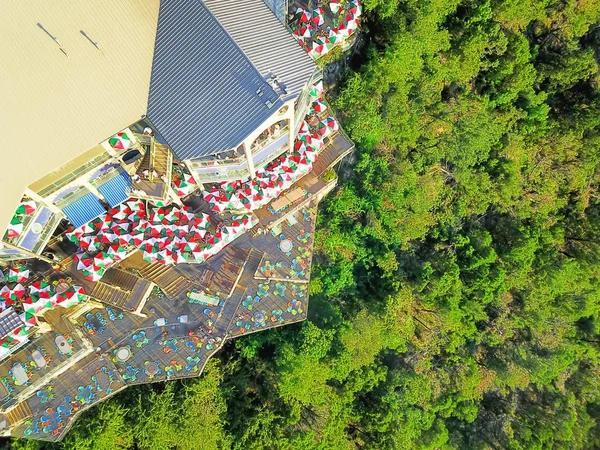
{"x":265,"y":41}
{"x":203,"y":89}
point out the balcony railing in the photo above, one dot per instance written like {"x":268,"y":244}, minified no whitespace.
{"x":266,"y":139}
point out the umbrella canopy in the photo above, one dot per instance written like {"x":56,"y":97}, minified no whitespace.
{"x":120,"y":141}
{"x":335,"y":7}
{"x":94,"y":273}
{"x":303,"y":15}
{"x":318,"y":16}
{"x":18,"y":274}
{"x":15,"y":227}
{"x":26,"y":208}
{"x":317,"y":89}
{"x":17,"y":292}
{"x":332,"y":124}
{"x":118,"y":252}
{"x":84,"y":260}
{"x":39,"y":286}
{"x":28,"y":318}
{"x":318,"y":106}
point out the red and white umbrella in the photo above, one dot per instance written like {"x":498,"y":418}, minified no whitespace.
{"x":334,"y":6}
{"x":120,"y":141}
{"x":15,"y":228}
{"x":117,"y":252}
{"x":26,"y":208}
{"x":303,"y":15}
{"x":18,"y":274}
{"x":318,"y":106}
{"x":318,"y":16}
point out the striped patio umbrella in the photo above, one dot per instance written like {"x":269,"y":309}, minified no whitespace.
{"x":136,"y":205}
{"x":342,"y":31}
{"x":318,"y":16}
{"x":26,"y":208}
{"x":199,"y":256}
{"x":91,"y":243}
{"x":182,"y":187}
{"x":117,"y":252}
{"x":150,"y":257}
{"x":84,"y":260}
{"x":15,"y":228}
{"x":318,"y":106}
{"x":28,"y":305}
{"x":18,"y":274}
{"x":320,"y":49}
{"x":18,"y":292}
{"x":351,"y":24}
{"x":303,"y":15}
{"x":121,"y":228}
{"x":39,"y":286}
{"x":108,"y":237}
{"x":28,"y":318}
{"x":332,"y":124}
{"x":94,"y":273}
{"x":316,"y":89}
{"x":354,"y":8}
{"x":102,"y":260}
{"x":306,"y":32}
{"x":334,"y":6}
{"x":20,"y":332}
{"x":120,"y":141}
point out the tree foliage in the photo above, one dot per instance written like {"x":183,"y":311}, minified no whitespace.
{"x":455,"y":292}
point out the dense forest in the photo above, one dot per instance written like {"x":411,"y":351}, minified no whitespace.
{"x":456,"y":287}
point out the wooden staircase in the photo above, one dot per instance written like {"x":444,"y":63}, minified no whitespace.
{"x":19,"y":413}
{"x":169,"y":280}
{"x":111,"y":295}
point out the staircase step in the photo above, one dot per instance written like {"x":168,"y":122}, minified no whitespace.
{"x":19,"y":413}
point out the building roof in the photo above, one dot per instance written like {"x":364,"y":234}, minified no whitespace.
{"x":203,"y":91}
{"x":265,"y":41}
{"x":81,"y":71}
{"x":54,"y":107}
{"x":9,"y":321}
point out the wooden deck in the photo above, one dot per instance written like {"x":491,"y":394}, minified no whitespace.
{"x":259,"y":285}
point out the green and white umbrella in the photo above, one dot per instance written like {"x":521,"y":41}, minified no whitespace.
{"x":15,"y":228}
{"x":120,"y":141}
{"x":26,"y":208}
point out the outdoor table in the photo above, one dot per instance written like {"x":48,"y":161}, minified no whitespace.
{"x":20,"y":374}
{"x":286,"y":245}
{"x":295,"y":194}
{"x":62,"y":287}
{"x":151,"y":369}
{"x":313,"y":121}
{"x":259,"y":317}
{"x":103,"y":380}
{"x":123,"y":354}
{"x":280,"y":203}
{"x":38,"y":359}
{"x":62,"y":344}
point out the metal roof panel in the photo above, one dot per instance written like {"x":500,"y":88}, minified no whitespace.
{"x":203,"y":90}
{"x":266,"y":42}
